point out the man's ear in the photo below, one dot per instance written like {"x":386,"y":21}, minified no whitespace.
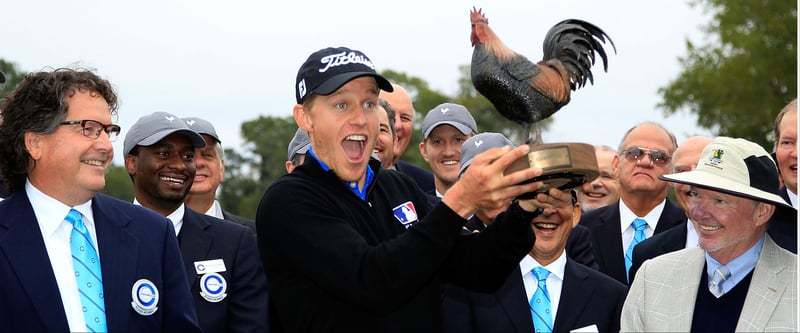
{"x":33,"y":144}
{"x":764,"y":212}
{"x":422,"y":151}
{"x":302,"y":117}
{"x":130,"y":164}
{"x":221,"y":170}
{"x":615,"y":166}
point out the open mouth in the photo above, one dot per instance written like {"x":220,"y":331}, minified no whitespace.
{"x":596,"y":195}
{"x":93,"y":162}
{"x":353,"y":146}
{"x":172,"y":180}
{"x":545,"y":226}
{"x":710,"y":228}
{"x":450,"y":162}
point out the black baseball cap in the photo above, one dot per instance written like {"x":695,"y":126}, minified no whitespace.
{"x":328,"y":69}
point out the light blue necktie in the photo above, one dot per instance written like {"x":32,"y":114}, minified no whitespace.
{"x":540,"y":303}
{"x":87,"y":274}
{"x":721,"y":274}
{"x":638,"y":225}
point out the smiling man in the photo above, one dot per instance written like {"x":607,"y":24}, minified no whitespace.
{"x":72,"y":259}
{"x":738,"y":279}
{"x":603,"y":190}
{"x":444,"y":130}
{"x":349,"y":246}
{"x":220,"y":257}
{"x":577,"y":296}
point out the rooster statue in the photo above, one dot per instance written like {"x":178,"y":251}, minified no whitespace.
{"x":527,"y":92}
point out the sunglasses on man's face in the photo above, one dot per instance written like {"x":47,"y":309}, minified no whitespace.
{"x":657,"y":157}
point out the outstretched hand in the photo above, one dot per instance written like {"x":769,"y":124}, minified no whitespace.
{"x":484,"y":184}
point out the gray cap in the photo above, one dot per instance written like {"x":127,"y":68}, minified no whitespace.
{"x":202,"y":126}
{"x":449,"y":114}
{"x":299,"y":144}
{"x":153,"y":127}
{"x":481,"y":143}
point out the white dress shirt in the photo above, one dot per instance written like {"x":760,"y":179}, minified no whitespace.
{"x":50,"y":214}
{"x":554,"y":281}
{"x":175,"y":217}
{"x":626,"y":217}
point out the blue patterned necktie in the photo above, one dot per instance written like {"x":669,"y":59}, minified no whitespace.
{"x":87,"y":274}
{"x":715,"y":284}
{"x":638,"y":235}
{"x":540,"y":303}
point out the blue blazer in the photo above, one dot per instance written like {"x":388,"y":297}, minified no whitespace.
{"x":588,"y":297}
{"x":244,"y":309}
{"x":603,"y":224}
{"x":422,"y":177}
{"x":135,"y":243}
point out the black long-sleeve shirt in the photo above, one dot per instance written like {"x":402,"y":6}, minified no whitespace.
{"x":335,"y":262}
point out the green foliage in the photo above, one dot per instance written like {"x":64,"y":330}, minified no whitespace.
{"x":13,"y":76}
{"x":741,"y":79}
{"x":240,"y":192}
{"x":268,"y":138}
{"x":118,"y":183}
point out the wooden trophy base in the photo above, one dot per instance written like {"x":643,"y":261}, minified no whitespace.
{"x":565,"y":166}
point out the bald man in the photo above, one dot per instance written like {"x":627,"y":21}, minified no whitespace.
{"x":684,"y":159}
{"x":400,"y":101}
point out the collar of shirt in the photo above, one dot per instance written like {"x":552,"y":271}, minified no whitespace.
{"x":51,"y":213}
{"x":692,"y":240}
{"x":554,"y":282}
{"x":739,"y":266}
{"x":175,"y":217}
{"x":353,"y":186}
{"x":792,"y":198}
{"x":215,"y":210}
{"x":626,"y":216}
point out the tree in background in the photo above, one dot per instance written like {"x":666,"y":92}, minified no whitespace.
{"x":13,"y":76}
{"x":118,"y":183}
{"x":740,"y":80}
{"x":240,"y":190}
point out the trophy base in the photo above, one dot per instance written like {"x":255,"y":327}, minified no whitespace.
{"x":565,"y":166}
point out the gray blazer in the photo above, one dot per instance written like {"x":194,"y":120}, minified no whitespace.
{"x":663,"y":294}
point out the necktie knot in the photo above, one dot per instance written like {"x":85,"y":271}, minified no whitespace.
{"x":639,"y":224}
{"x":720,"y":275}
{"x":541,"y":273}
{"x":74,"y":217}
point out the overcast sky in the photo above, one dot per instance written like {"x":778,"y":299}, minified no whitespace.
{"x":231,"y":61}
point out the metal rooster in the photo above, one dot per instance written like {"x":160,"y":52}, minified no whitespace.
{"x":527,"y":92}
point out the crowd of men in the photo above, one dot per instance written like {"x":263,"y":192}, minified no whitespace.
{"x":353,"y":239}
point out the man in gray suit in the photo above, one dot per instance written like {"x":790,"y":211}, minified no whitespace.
{"x":739,"y":279}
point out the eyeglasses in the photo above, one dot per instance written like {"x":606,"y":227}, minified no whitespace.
{"x":93,"y":128}
{"x":657,"y":157}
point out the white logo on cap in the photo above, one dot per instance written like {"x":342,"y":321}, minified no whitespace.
{"x":170,"y":118}
{"x":343,"y":58}
{"x":301,"y":88}
{"x":190,"y":122}
{"x":445,"y":110}
{"x":478,"y":143}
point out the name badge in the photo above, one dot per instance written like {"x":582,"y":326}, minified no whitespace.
{"x":209,"y":266}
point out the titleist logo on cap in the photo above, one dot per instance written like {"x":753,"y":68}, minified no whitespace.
{"x":344,"y":58}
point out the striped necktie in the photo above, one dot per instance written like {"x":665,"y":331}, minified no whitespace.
{"x":540,"y":303}
{"x":720,"y":275}
{"x":88,"y":275}
{"x":638,"y":235}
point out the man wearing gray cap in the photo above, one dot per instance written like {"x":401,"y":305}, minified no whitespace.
{"x":298,"y":148}
{"x":738,"y":279}
{"x":444,"y":130}
{"x":220,"y":257}
{"x":210,"y":161}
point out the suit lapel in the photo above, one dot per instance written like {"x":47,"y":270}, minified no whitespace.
{"x":765,"y":289}
{"x":574,"y":293}
{"x":609,"y":240}
{"x":118,"y":259}
{"x":671,"y":216}
{"x":21,"y":241}
{"x":195,"y":242}
{"x":512,"y":298}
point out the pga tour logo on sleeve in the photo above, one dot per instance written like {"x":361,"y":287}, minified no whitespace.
{"x":405,"y":213}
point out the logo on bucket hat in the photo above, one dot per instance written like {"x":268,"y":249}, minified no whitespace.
{"x":328,"y":69}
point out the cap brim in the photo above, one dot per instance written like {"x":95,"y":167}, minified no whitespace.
{"x":196,"y":139}
{"x":464,"y":129}
{"x":721,"y":184}
{"x":335,"y":82}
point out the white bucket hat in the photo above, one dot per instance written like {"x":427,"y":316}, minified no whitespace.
{"x":735,"y":166}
